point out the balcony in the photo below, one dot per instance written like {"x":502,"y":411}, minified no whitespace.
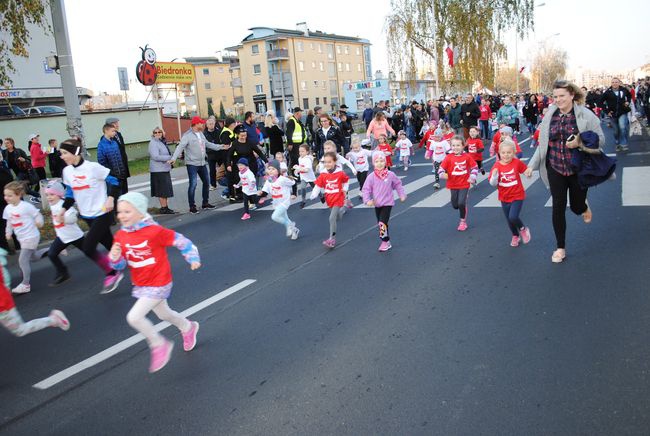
{"x":234,"y":64}
{"x":277,"y":84}
{"x":277,"y":54}
{"x":236,"y":83}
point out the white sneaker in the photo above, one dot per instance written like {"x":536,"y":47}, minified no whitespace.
{"x":294,"y":233}
{"x":21,"y":289}
{"x":290,"y":228}
{"x":213,"y":188}
{"x":59,"y":320}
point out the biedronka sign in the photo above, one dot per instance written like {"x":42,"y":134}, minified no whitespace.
{"x":174,"y":72}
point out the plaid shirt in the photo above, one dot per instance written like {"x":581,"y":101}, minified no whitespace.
{"x":559,"y":156}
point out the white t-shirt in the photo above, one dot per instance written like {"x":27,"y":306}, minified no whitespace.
{"x":248,"y":183}
{"x":360,"y":159}
{"x":68,"y":230}
{"x":340,"y":161}
{"x":21,"y":220}
{"x":439,"y":149}
{"x":279,"y":190}
{"x":404,"y":146}
{"x":88,"y":184}
{"x":306,"y":163}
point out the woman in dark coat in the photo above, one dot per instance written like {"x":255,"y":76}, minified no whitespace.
{"x":275,"y":135}
{"x":530,"y":113}
{"x":328,"y":131}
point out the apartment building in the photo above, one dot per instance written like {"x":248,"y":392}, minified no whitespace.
{"x":215,"y":83}
{"x":282,"y":68}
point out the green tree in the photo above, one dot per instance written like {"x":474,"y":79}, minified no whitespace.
{"x":16,"y":16}
{"x":210,"y":110}
{"x":222,"y":111}
{"x":474,"y":28}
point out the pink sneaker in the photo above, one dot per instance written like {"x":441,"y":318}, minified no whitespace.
{"x":329,"y":243}
{"x":245,"y":217}
{"x":111,"y":282}
{"x":189,"y":338}
{"x":385,"y":246}
{"x":514,"y":242}
{"x":59,"y":320}
{"x":525,"y":235}
{"x":462,"y":225}
{"x":160,"y":356}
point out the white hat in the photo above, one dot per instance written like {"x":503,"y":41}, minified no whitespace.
{"x":32,"y":136}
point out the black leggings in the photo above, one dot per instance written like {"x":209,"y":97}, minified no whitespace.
{"x":559,"y":185}
{"x":99,"y":232}
{"x":249,"y":198}
{"x":383,"y":215}
{"x":58,"y":246}
{"x":459,"y":201}
{"x":361,"y":178}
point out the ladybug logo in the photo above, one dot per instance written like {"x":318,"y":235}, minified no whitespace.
{"x":145,"y":71}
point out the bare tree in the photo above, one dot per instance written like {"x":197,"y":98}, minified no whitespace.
{"x":549,"y":65}
{"x":506,"y":80}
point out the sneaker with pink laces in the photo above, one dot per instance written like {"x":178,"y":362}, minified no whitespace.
{"x":160,"y":355}
{"x":462,"y":225}
{"x":329,"y":243}
{"x":245,"y":217}
{"x":385,"y":246}
{"x":514,"y":242}
{"x":525,"y":235}
{"x":59,"y":320}
{"x":189,"y":337}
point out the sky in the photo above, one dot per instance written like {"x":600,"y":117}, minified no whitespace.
{"x":105,"y":36}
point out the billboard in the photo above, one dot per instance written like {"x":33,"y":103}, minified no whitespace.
{"x":174,"y":72}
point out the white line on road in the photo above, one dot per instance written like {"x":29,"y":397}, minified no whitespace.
{"x":131,"y":341}
{"x":636,"y":181}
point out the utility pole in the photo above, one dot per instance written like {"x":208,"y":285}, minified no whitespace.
{"x":435,"y":50}
{"x":517,"y":62}
{"x":66,"y":69}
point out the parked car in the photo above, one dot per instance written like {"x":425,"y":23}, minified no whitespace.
{"x":37,"y":110}
{"x":11,"y":110}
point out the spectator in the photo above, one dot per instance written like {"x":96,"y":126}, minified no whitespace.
{"x":328,"y":132}
{"x":434,"y":113}
{"x":275,"y":135}
{"x":455,"y":116}
{"x":617,"y":102}
{"x":309,"y":123}
{"x":315,"y":122}
{"x":507,"y":114}
{"x":38,"y":157}
{"x":54,"y":158}
{"x":160,"y":170}
{"x":109,"y":156}
{"x":18,"y":162}
{"x":212,"y":134}
{"x":249,"y":124}
{"x":530,"y":113}
{"x":296,"y":135}
{"x":347,"y":130}
{"x":470,"y":113}
{"x":193,"y":144}
{"x":120,"y":141}
{"x":367,"y":115}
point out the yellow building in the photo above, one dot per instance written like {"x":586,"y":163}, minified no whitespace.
{"x":281,"y":68}
{"x":214,"y":83}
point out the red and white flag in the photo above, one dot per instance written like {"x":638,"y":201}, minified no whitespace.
{"x":521,"y":70}
{"x":450,"y":55}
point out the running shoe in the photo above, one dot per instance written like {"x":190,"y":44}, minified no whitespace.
{"x":208,"y":206}
{"x":59,"y":320}
{"x":290,"y":229}
{"x":111,"y":282}
{"x":385,"y":246}
{"x":61,"y":278}
{"x":213,"y":188}
{"x":189,"y":338}
{"x":252,"y":207}
{"x":558,"y":255}
{"x":160,"y":356}
{"x":21,"y":289}
{"x":294,"y":233}
{"x":525,"y":235}
{"x":329,"y":243}
{"x":514,"y":242}
{"x":462,"y":225}
{"x":194,"y":210}
{"x":587,"y":215}
{"x":245,"y":217}
{"x":436,"y":185}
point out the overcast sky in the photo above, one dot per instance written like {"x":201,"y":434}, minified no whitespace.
{"x":105,"y":36}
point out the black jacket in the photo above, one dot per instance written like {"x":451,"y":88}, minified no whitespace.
{"x":238,"y":150}
{"x":474,"y":114}
{"x":614,"y":103}
{"x":333,"y":134}
{"x":56,"y":163}
{"x":213,"y":137}
{"x":276,"y":142}
{"x":125,"y":158}
{"x":12,"y":159}
{"x":530,"y":111}
{"x":346,"y":128}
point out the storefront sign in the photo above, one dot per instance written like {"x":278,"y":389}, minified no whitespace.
{"x":174,"y":72}
{"x":364,"y":85}
{"x":9,"y":94}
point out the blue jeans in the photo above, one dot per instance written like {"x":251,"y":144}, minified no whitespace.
{"x":202,"y":172}
{"x":485,"y":128}
{"x":621,"y":129}
{"x":512,"y":211}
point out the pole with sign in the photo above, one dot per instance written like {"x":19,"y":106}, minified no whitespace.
{"x":123,"y":76}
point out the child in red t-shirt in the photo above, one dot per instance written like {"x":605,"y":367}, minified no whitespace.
{"x":460,"y":170}
{"x":142,"y":245}
{"x":384,"y":147}
{"x":10,"y":317}
{"x":505,"y":174}
{"x":335,"y":186}
{"x":475,"y":147}
{"x":500,"y":136}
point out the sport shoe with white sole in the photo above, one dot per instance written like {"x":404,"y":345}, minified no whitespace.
{"x":189,"y":338}
{"x":111,"y":282}
{"x":160,"y":356}
{"x":21,"y":289}
{"x":60,"y":320}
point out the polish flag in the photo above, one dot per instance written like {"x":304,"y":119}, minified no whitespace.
{"x":450,"y":55}
{"x":521,"y":70}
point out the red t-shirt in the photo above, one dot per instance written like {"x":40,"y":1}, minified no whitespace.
{"x":536,"y":135}
{"x":6,"y":300}
{"x":448,"y":136}
{"x":146,"y":254}
{"x":510,"y":186}
{"x":386,"y":147}
{"x":332,"y":184}
{"x":486,"y":112}
{"x":458,"y":168}
{"x":496,"y":139}
{"x":475,"y":148}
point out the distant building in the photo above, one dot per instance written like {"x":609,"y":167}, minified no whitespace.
{"x":281,"y":68}
{"x":214,"y":83}
{"x":597,"y":78}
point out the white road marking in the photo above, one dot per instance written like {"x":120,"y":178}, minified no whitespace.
{"x":492,"y":200}
{"x":636,"y":183}
{"x":148,"y":186}
{"x":131,"y":341}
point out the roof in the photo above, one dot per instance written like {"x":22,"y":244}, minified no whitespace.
{"x":270,"y":32}
{"x":205,"y":60}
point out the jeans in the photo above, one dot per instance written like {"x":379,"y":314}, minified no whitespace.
{"x":512,"y":211}
{"x":485,"y":129}
{"x":621,"y":129}
{"x":202,"y":172}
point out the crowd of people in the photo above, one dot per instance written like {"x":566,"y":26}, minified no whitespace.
{"x":257,"y":159}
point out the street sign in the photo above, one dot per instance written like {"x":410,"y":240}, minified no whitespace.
{"x":124,"y":78}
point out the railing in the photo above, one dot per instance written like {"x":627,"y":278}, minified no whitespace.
{"x":239,"y":100}
{"x":236,"y":83}
{"x":234,"y":64}
{"x":279,"y":53}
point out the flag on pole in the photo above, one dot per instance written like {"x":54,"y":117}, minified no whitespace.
{"x":521,"y":70}
{"x":450,"y":56}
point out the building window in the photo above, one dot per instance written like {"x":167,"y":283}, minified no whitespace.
{"x":324,"y":100}
{"x":330,"y":51}
{"x":313,"y":65}
{"x":209,"y":100}
{"x":255,"y":49}
{"x":301,"y":66}
{"x":321,"y":66}
{"x":320,"y":47}
{"x":305,"y":103}
{"x":206,"y":71}
{"x":358,"y":51}
{"x":259,"y":89}
{"x":257,"y":69}
{"x":300,"y":46}
{"x":315,"y":83}
{"x":207,"y":85}
{"x":317,"y":101}
{"x":333,"y":87}
{"x":346,"y":49}
{"x":324,"y":84}
{"x":340,"y":66}
{"x":331,"y":69}
{"x":338,"y":49}
{"x":303,"y":85}
{"x":359,"y":68}
{"x":311,"y":45}
{"x":222,"y":84}
{"x":347,"y":66}
{"x":220,"y":69}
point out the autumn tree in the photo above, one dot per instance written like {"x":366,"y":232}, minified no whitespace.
{"x":17,"y":16}
{"x":506,"y":81}
{"x":474,"y":28}
{"x":549,"y":65}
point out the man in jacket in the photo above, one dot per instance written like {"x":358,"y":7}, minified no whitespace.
{"x":366,"y":116}
{"x":616,"y":103}
{"x":110,"y":156}
{"x":253,"y":138}
{"x":193,"y":144}
{"x":455,"y":116}
{"x":470,"y":113}
{"x":296,"y":134}
{"x":120,"y":142}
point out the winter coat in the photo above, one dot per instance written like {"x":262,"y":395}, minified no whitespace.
{"x":333,"y":134}
{"x":474,"y":114}
{"x":614,"y":105}
{"x":455,"y":116}
{"x":159,"y":154}
{"x":507,"y":114}
{"x":109,"y":156}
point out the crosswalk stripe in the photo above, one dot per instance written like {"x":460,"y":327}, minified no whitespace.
{"x":636,"y":181}
{"x":492,"y":200}
{"x":442,"y":197}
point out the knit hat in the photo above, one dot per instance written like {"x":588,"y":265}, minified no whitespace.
{"x":71,"y":146}
{"x":378,"y":155}
{"x":401,"y":132}
{"x":275,"y":164}
{"x":55,"y":187}
{"x":437,"y":132}
{"x":507,"y":130}
{"x":137,"y":200}
{"x":197,"y":120}
{"x":242,"y":161}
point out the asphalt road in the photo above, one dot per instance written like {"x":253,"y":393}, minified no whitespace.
{"x":449,"y":333}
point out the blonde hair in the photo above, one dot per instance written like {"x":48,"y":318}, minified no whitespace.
{"x":16,"y":187}
{"x":573,"y":89}
{"x":509,"y":143}
{"x":330,"y":143}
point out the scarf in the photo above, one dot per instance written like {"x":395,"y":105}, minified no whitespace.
{"x":382,"y":174}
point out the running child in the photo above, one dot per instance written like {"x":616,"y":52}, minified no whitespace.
{"x":504,"y":133}
{"x":279,"y":188}
{"x":284,"y":169}
{"x":24,"y":220}
{"x":438,"y":149}
{"x":142,"y":244}
{"x":10,"y":317}
{"x":248,"y":185}
{"x":360,"y":158}
{"x":330,"y":147}
{"x":67,"y":233}
{"x":305,"y":171}
{"x":405,"y":147}
{"x":378,"y":192}
{"x":335,"y":186}
{"x":428,"y":136}
{"x":460,"y":171}
{"x":385,"y":148}
{"x":506,"y":175}
{"x":475,"y":147}
{"x":494,"y":124}
{"x":447,"y":132}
